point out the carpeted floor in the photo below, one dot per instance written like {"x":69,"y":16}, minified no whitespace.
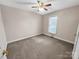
{"x":40,"y":47}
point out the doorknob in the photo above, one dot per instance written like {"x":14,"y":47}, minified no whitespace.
{"x":5,"y":52}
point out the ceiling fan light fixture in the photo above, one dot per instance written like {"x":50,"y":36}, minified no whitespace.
{"x":41,"y":9}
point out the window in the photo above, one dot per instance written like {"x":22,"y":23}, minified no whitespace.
{"x":52,"y":24}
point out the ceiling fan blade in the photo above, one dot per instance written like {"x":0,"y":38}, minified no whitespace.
{"x":34,"y":6}
{"x":38,"y":1}
{"x":45,"y":9}
{"x":48,"y":5}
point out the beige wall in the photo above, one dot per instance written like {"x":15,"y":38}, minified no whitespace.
{"x":67,"y":23}
{"x":21,"y":24}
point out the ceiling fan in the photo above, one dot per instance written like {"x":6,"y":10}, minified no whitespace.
{"x":38,"y":5}
{"x":41,"y":5}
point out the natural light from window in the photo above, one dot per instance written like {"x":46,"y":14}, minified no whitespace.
{"x":52,"y":25}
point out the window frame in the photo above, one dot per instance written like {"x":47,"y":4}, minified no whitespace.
{"x":56,"y":25}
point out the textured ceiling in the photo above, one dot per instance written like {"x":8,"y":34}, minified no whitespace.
{"x":56,"y":5}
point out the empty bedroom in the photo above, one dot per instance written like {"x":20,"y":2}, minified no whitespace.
{"x":39,"y":29}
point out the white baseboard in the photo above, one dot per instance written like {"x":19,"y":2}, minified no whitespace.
{"x":59,"y":38}
{"x":39,"y":34}
{"x":22,"y":38}
{"x":64,"y":40}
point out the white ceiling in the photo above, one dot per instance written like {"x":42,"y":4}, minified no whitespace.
{"x":56,"y":5}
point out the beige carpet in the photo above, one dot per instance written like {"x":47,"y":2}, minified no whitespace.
{"x":40,"y":47}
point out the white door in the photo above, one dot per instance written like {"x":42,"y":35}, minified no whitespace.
{"x":3,"y":43}
{"x":75,"y":54}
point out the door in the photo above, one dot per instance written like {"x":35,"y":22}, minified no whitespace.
{"x":75,"y":54}
{"x":3,"y":42}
